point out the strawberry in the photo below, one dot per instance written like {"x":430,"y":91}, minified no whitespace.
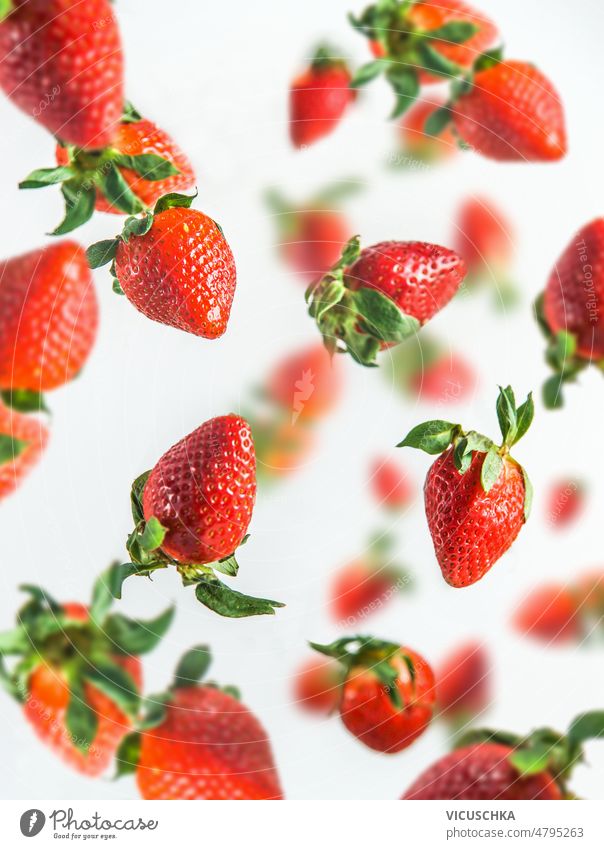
{"x":390,"y":484}
{"x":192,"y":511}
{"x":565,"y":502}
{"x":589,"y":590}
{"x":23,"y":440}
{"x":141,"y":164}
{"x":477,"y":496}
{"x":200,"y":742}
{"x":78,"y":672}
{"x":48,"y":317}
{"x":416,"y":144}
{"x":462,"y":683}
{"x":61,"y":61}
{"x":317,"y":685}
{"x":426,"y":370}
{"x":550,"y":613}
{"x":510,"y":111}
{"x":569,"y":311}
{"x":319,"y":97}
{"x":387,"y":695}
{"x":281,"y":446}
{"x":175,"y":266}
{"x":306,"y":385}
{"x":420,"y":42}
{"x":498,"y":766}
{"x":366,"y":584}
{"x":380,"y":296}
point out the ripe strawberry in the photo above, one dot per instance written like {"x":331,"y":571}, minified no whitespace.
{"x":204,"y":744}
{"x":281,"y":446}
{"x":390,"y":484}
{"x":307,"y":384}
{"x":175,"y":266}
{"x":477,"y":496}
{"x":510,"y":111}
{"x":192,"y":511}
{"x":319,"y":97}
{"x":48,"y":317}
{"x":141,"y":164}
{"x":388,"y":694}
{"x":367,"y":583}
{"x":569,"y":313}
{"x":317,"y":686}
{"x":416,"y":143}
{"x":426,"y":370}
{"x":416,"y":42}
{"x":462,"y":683}
{"x":380,"y":296}
{"x":78,"y":673}
{"x":550,"y":613}
{"x":495,"y":765}
{"x":61,"y":61}
{"x":589,"y":590}
{"x":23,"y":440}
{"x":565,"y":502}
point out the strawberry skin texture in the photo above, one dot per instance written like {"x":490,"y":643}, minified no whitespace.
{"x":203,"y":491}
{"x":576,"y":282}
{"x":419,"y":277}
{"x":472,"y":529}
{"x":481,"y":772}
{"x":61,"y":61}
{"x":512,"y":113}
{"x":46,"y":706}
{"x":307,"y":384}
{"x":48,"y":317}
{"x":209,"y":746}
{"x":367,"y":710}
{"x":550,"y":613}
{"x":180,"y":273}
{"x":316,"y":243}
{"x":462,"y":682}
{"x":29,"y":430}
{"x":134,"y":139}
{"x":317,"y":101}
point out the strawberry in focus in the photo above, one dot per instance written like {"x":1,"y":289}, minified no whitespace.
{"x":316,"y":687}
{"x":23,"y":440}
{"x":477,"y":497}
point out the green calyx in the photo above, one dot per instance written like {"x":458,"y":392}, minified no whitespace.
{"x":83,"y":649}
{"x":435,"y":437}
{"x":11,"y":448}
{"x":327,"y":57}
{"x":6,"y":7}
{"x":144,"y":546}
{"x":355,"y":321}
{"x":544,"y":750}
{"x":24,"y":400}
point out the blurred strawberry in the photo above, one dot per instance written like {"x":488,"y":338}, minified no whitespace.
{"x":565,"y":502}
{"x":317,"y":685}
{"x":390,"y":484}
{"x":416,"y":144}
{"x":319,"y":97}
{"x":550,"y":613}
{"x":589,"y":592}
{"x":281,"y":446}
{"x":23,"y":440}
{"x":462,"y":683}
{"x":307,"y":384}
{"x":426,"y":370}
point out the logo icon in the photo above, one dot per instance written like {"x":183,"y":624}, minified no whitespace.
{"x":32,"y":822}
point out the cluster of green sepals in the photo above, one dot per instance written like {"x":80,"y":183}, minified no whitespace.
{"x":437,"y":436}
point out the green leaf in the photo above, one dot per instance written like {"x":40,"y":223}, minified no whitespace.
{"x":136,"y":497}
{"x":80,"y":719}
{"x":117,"y":685}
{"x":462,"y":456}
{"x":492,"y":467}
{"x":405,"y":83}
{"x":506,"y":414}
{"x":120,"y":573}
{"x":47,"y":177}
{"x":79,"y":207}
{"x":228,"y":566}
{"x":456,"y":32}
{"x":489,"y":59}
{"x":6,"y":7}
{"x":173,"y":199}
{"x":368,"y":72}
{"x":112,"y":184}
{"x":230,"y":603}
{"x":24,"y":400}
{"x":153,"y":534}
{"x":436,"y":63}
{"x":131,"y":115}
{"x":103,"y":594}
{"x":102,"y":252}
{"x":524,"y":417}
{"x":134,"y":636}
{"x":149,"y":166}
{"x":530,"y":761}
{"x":41,"y":596}
{"x":478,"y":442}
{"x":586,"y":726}
{"x":128,"y":755}
{"x":137,"y":227}
{"x":14,"y":642}
{"x":10,"y":448}
{"x":154,"y":710}
{"x":433,"y":437}
{"x":192,"y":666}
{"x":437,"y":121}
{"x":382,"y":318}
{"x":528,"y":494}
{"x":552,"y":395}
{"x":116,"y":287}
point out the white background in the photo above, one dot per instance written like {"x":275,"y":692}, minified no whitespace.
{"x":216,"y":76}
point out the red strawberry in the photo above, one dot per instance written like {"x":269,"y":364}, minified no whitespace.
{"x":388,"y":692}
{"x":550,"y":613}
{"x":48,"y":317}
{"x":192,"y":511}
{"x":61,"y":61}
{"x":484,"y":237}
{"x":317,"y":686}
{"x":78,"y":673}
{"x":319,"y":98}
{"x":565,"y":502}
{"x":416,"y":143}
{"x":498,"y":766}
{"x":589,"y":590}
{"x":462,"y":683}
{"x":204,"y":744}
{"x":477,"y":496}
{"x":390,"y":484}
{"x":569,"y":311}
{"x":426,"y":370}
{"x":382,"y":295}
{"x":306,"y":384}
{"x":175,"y":266}
{"x":511,"y":112}
{"x":23,"y":440}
